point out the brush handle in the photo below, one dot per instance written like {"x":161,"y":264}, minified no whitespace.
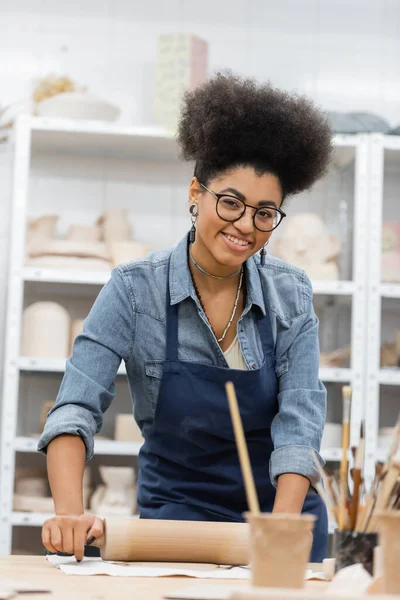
{"x":128,"y":539}
{"x":344,"y":465}
{"x":356,"y":498}
{"x":250,"y":487}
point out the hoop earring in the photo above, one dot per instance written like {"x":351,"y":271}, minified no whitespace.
{"x":193,"y":209}
{"x":263,"y":252}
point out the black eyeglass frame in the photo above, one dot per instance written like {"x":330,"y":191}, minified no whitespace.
{"x":219,"y":196}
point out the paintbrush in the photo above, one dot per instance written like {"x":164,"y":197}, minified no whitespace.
{"x":344,"y":463}
{"x":357,"y":479}
{"x":249,"y":484}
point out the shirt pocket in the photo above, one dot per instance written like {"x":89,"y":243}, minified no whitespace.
{"x":154,"y":373}
{"x":281,"y":366}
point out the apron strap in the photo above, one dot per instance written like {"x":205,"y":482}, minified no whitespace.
{"x":171,"y":352}
{"x":264,"y":327}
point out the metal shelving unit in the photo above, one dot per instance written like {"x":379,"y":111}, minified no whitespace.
{"x":382,"y":149}
{"x":30,"y":135}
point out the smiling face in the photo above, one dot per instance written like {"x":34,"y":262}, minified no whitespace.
{"x":225,"y":244}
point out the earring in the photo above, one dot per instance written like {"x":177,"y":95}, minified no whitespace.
{"x":193,"y":209}
{"x":263,"y":252}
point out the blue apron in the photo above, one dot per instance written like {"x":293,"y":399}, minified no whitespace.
{"x":188,"y":464}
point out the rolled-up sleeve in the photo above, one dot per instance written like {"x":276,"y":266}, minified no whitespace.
{"x":87,"y":388}
{"x":297,"y":428}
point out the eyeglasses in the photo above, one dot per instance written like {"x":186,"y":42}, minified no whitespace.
{"x":231,"y":209}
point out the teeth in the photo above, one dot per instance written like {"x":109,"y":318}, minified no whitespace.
{"x":236,"y":240}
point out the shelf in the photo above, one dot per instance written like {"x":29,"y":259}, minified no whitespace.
{"x":389,"y":376}
{"x":390,"y":290}
{"x":30,"y":519}
{"x":102,"y":139}
{"x":335,"y":375}
{"x":101,"y":447}
{"x":49,"y":365}
{"x":65,"y":276}
{"x":335,"y":288}
{"x":331,"y":454}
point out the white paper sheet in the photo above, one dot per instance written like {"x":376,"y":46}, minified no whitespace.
{"x":96,"y":566}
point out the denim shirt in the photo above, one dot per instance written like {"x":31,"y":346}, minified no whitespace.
{"x":127,"y":322}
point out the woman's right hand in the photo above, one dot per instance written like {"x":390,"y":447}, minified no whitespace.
{"x":70,"y":533}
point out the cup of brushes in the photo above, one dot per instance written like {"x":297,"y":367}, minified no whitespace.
{"x":357,"y":514}
{"x":273,"y":537}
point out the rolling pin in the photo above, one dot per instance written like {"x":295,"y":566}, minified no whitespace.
{"x":156,"y":540}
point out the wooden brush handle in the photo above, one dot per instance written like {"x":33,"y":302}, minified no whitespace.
{"x":356,"y":498}
{"x":174,"y":541}
{"x":344,"y":465}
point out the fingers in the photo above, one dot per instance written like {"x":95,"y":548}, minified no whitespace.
{"x":79,"y":540}
{"x":68,"y":537}
{"x":46,"y":538}
{"x":70,"y":533}
{"x":96,"y":531}
{"x":56,"y":538}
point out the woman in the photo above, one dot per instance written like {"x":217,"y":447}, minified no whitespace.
{"x":187,"y":320}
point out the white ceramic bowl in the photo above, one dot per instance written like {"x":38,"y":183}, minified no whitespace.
{"x":77,"y":105}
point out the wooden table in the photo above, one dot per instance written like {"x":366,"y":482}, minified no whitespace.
{"x":37,"y":571}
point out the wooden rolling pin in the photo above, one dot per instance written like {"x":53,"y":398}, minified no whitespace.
{"x":174,"y":541}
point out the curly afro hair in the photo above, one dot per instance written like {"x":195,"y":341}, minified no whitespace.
{"x":232,"y":121}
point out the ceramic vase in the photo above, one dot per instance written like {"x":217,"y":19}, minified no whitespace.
{"x":45,"y":331}
{"x":84,"y":233}
{"x":117,"y":496}
{"x":115,"y":226}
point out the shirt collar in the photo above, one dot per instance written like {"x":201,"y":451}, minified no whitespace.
{"x":181,"y":284}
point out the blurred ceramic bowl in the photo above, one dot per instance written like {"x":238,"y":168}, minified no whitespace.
{"x":77,"y":105}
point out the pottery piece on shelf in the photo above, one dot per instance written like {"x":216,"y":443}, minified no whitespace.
{"x":33,"y":504}
{"x":32,"y":486}
{"x":84,"y":233}
{"x":337,"y":358}
{"x":117,"y":496}
{"x":77,"y":105}
{"x":45,"y":330}
{"x":115,"y":226}
{"x":41,"y":230}
{"x":306,"y":243}
{"x":390,"y":353}
{"x":181,"y":66}
{"x":274,"y":538}
{"x":70,"y":248}
{"x":123,"y":252}
{"x":69,"y":262}
{"x":126,"y":429}
{"x":76,"y":329}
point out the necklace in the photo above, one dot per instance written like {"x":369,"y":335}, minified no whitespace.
{"x":210,"y":274}
{"x":219,"y":340}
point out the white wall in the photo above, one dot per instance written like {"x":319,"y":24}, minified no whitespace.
{"x":345,"y":53}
